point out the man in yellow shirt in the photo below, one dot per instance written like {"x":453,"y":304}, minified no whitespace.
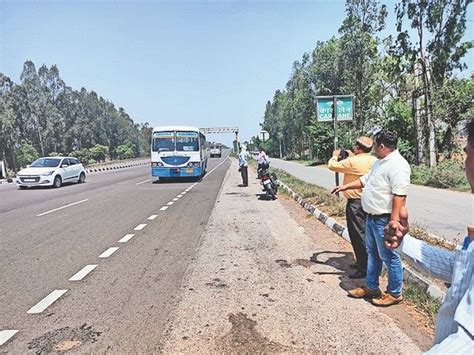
{"x":353,"y":167}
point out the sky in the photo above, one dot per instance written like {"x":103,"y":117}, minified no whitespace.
{"x":200,"y":63}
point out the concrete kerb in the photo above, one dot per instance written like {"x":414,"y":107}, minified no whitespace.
{"x":96,"y":169}
{"x":410,"y":275}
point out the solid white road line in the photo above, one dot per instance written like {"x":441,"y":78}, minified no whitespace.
{"x":210,"y":172}
{"x":60,"y":208}
{"x":139,"y":227}
{"x":5,"y":335}
{"x":83,"y":273}
{"x":164,"y":208}
{"x":46,"y":302}
{"x":170,"y":203}
{"x":152,"y":217}
{"x":108,"y":252}
{"x":126,"y":238}
{"x":142,"y":182}
{"x":176,"y":199}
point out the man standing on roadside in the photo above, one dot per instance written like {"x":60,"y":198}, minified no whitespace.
{"x":262,"y":160}
{"x":455,"y":321}
{"x":353,"y":168}
{"x":243,"y":166}
{"x":384,"y":194}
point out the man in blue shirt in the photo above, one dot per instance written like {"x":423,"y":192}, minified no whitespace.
{"x":455,"y":321}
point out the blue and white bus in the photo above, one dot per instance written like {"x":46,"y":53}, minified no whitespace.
{"x":178,"y":151}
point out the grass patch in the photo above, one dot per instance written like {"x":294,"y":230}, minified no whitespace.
{"x":315,"y":195}
{"x":423,"y":302}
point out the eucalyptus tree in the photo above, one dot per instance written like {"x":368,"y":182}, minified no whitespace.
{"x":359,"y":55}
{"x":437,"y":51}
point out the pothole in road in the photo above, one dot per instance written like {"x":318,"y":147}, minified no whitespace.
{"x":243,"y":337}
{"x":282,"y":263}
{"x":64,"y":339}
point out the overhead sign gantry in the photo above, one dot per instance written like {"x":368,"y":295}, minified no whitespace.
{"x":215,"y":130}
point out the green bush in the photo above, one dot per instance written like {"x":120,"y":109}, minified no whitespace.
{"x":84,"y":155}
{"x":420,"y":174}
{"x":448,"y":174}
{"x":26,"y":154}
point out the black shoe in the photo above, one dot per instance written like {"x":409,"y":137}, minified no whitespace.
{"x":357,"y":275}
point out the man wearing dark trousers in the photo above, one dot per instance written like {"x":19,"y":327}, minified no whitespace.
{"x":243,"y":166}
{"x":353,"y":167}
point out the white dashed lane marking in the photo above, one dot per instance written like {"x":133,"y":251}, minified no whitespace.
{"x":170,"y":203}
{"x":108,"y":252}
{"x":83,"y":273}
{"x":176,"y":199}
{"x":152,"y":217}
{"x":5,"y":335}
{"x":179,"y":196}
{"x":164,"y":208}
{"x":60,"y":208}
{"x":139,"y":227}
{"x":46,"y":302}
{"x":126,"y":238}
{"x":142,"y":182}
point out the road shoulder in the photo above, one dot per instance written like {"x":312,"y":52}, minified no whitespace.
{"x":261,"y":283}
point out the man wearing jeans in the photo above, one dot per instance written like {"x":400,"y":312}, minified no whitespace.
{"x":384,"y":194}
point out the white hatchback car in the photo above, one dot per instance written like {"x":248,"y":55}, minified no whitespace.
{"x":51,"y":171}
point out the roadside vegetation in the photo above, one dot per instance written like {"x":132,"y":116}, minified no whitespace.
{"x":42,"y":116}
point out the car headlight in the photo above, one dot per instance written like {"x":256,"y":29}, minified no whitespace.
{"x":48,"y":173}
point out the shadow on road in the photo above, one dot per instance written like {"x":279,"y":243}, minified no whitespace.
{"x":340,"y":261}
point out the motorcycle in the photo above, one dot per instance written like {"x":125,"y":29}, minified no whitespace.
{"x":269,"y":182}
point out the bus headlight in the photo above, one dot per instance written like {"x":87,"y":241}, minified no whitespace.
{"x":156,"y":164}
{"x":193,"y":164}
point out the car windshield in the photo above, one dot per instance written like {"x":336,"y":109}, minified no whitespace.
{"x":45,"y":163}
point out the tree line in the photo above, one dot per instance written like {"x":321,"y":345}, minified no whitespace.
{"x":42,"y":116}
{"x":408,"y":82}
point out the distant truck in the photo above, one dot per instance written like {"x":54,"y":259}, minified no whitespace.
{"x":215,"y":151}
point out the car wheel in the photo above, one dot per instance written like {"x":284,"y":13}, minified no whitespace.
{"x":57,"y":181}
{"x":82,"y":178}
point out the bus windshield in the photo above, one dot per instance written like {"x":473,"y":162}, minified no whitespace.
{"x":182,"y":141}
{"x":163,"y":141}
{"x":187,"y":141}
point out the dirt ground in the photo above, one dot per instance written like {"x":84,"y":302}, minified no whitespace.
{"x":408,"y":318}
{"x":267,"y":278}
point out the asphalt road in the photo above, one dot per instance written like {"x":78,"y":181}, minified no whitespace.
{"x":444,"y":213}
{"x":122,"y":304}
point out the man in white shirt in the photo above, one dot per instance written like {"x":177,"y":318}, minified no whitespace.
{"x":384,"y":193}
{"x":243,"y":166}
{"x":262,"y":160}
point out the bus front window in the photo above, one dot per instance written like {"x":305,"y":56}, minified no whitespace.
{"x":187,"y":141}
{"x":163,"y":141}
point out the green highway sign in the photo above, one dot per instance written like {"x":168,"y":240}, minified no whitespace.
{"x":344,"y":111}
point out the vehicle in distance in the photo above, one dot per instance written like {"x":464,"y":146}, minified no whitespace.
{"x":51,"y":171}
{"x":215,"y":150}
